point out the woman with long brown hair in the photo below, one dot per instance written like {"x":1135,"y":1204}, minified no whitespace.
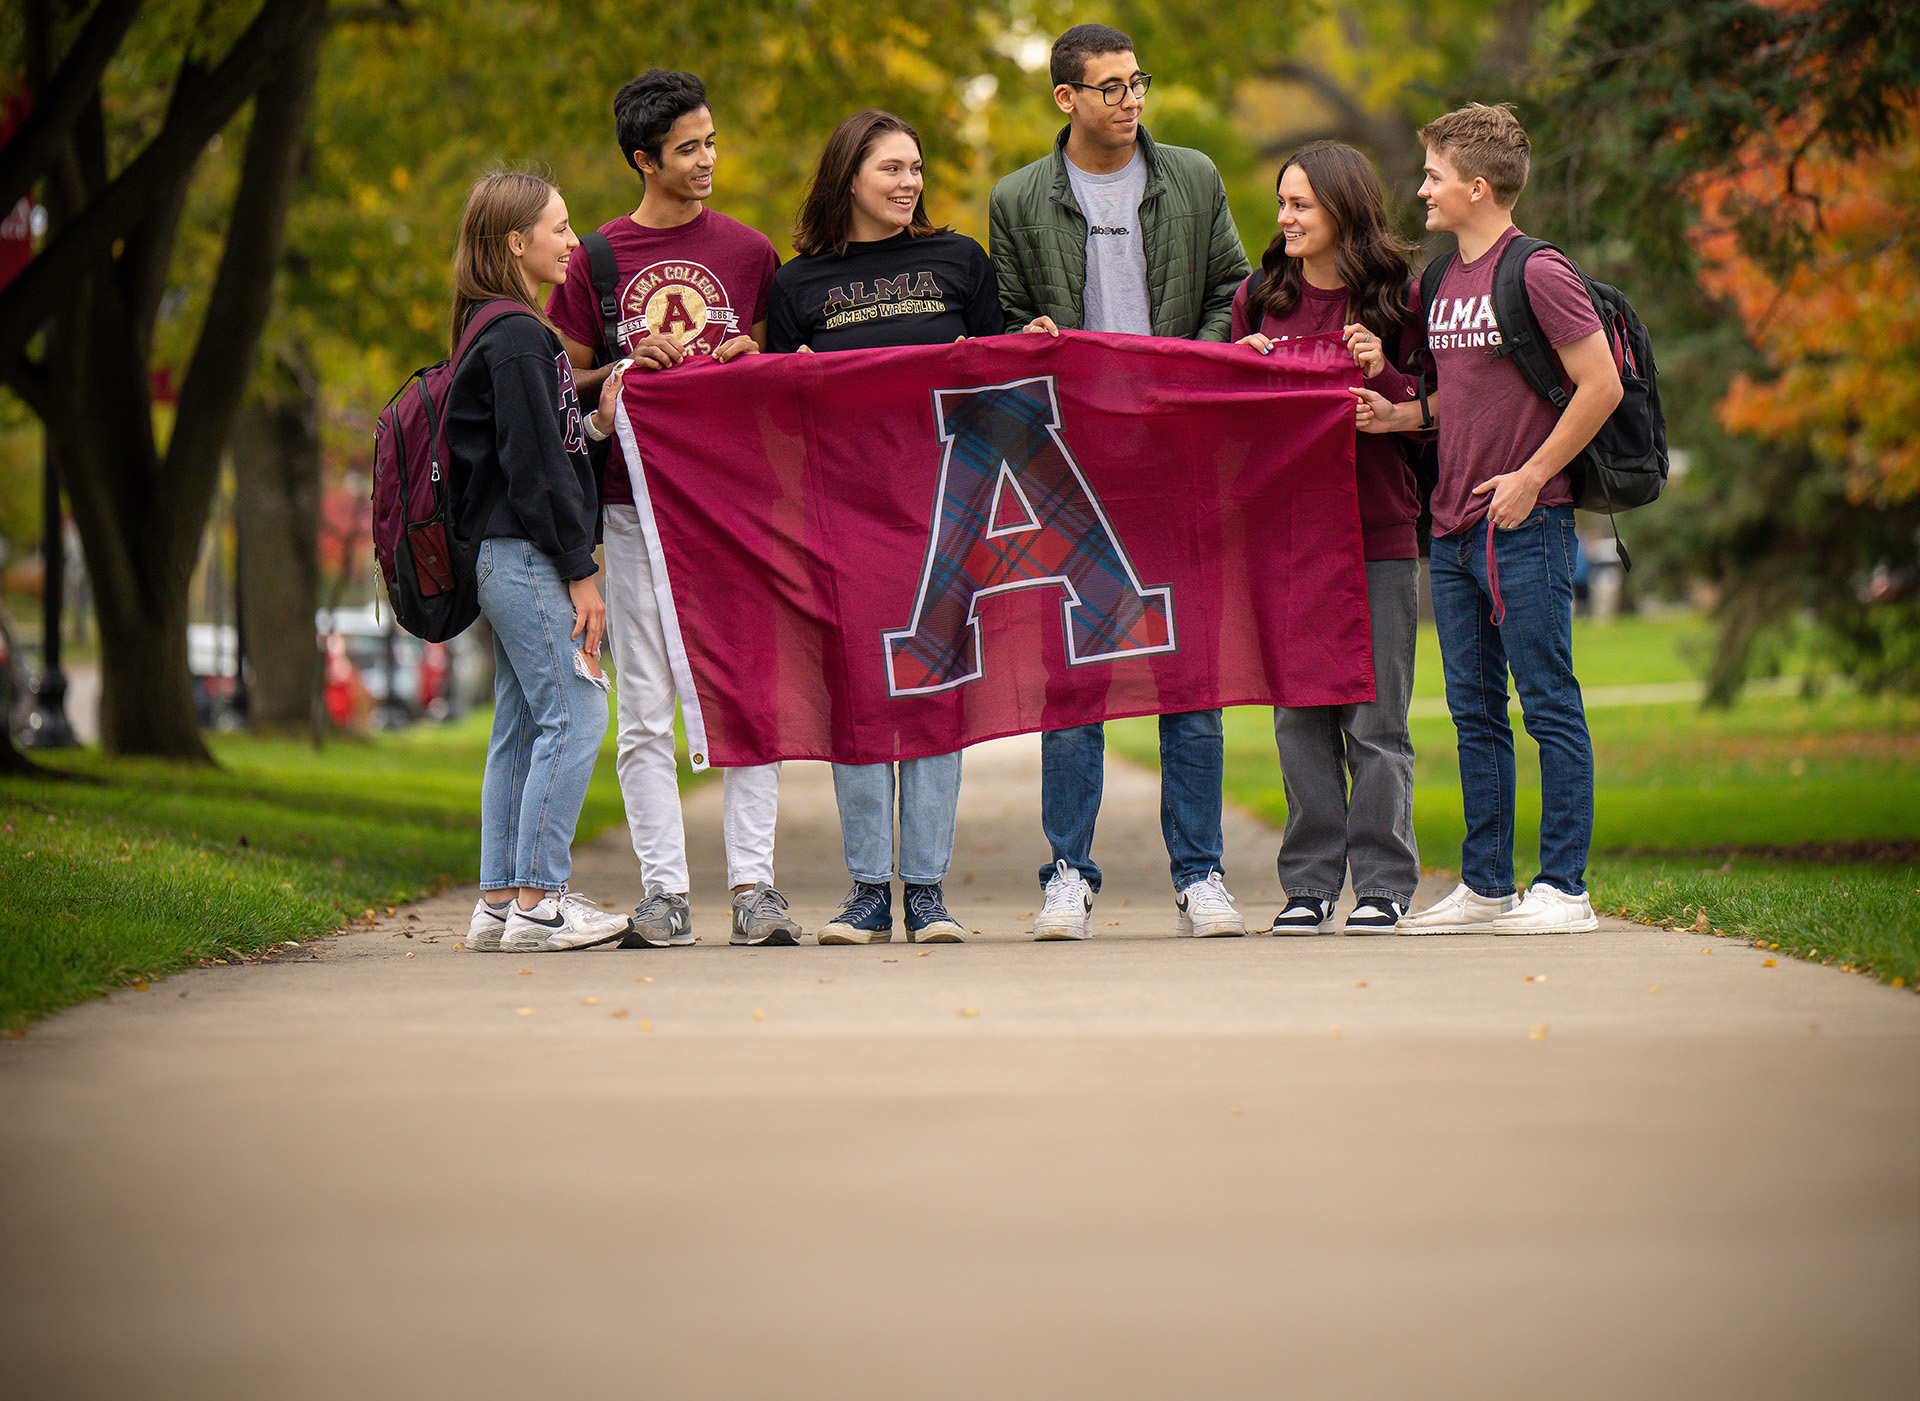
{"x":517,"y":451}
{"x":865,"y":224}
{"x":1335,"y":268}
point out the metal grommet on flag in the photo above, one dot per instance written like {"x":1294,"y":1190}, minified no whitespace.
{"x":699,"y":759}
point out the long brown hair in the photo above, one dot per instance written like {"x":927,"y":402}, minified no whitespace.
{"x":1371,"y":261}
{"x":826,"y":219}
{"x":484,"y":268}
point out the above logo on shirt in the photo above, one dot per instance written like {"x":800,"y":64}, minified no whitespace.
{"x":1103,"y":229}
{"x":682,"y":301}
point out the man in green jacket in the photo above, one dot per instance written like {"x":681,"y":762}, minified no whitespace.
{"x":1112,"y":232}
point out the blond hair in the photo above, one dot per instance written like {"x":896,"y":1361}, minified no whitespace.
{"x":484,"y":268}
{"x":1487,"y":142}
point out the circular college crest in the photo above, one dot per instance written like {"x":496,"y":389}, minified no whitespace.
{"x":682,"y":301}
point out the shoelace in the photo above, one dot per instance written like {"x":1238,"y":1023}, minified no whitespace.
{"x":860,"y":902}
{"x":925,"y":904}
{"x":1065,"y":893}
{"x":767,"y":901}
{"x":1212,"y":892}
{"x":655,"y":904}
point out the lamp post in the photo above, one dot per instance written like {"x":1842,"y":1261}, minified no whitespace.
{"x":47,"y":724}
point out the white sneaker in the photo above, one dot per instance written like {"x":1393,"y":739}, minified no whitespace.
{"x":1462,"y":912}
{"x":562,"y":922}
{"x":1068,"y":911}
{"x":487,"y":924}
{"x":1546,"y":910}
{"x":1204,"y":910}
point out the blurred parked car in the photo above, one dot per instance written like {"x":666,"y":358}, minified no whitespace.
{"x":381,"y":676}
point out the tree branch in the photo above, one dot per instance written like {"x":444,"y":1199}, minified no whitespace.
{"x":36,"y":144}
{"x":47,"y":281}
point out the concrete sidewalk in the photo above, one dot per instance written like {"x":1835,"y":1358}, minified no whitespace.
{"x":1631,"y":1162}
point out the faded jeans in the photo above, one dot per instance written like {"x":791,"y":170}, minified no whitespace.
{"x":929,"y":792}
{"x":548,"y":722}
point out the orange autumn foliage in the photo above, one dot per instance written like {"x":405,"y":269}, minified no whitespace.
{"x":1842,"y":331}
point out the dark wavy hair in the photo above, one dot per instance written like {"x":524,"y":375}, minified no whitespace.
{"x":645,"y":110}
{"x":1372,"y":261}
{"x":826,"y":219}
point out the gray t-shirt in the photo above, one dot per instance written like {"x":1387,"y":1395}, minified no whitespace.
{"x":1116,"y":292}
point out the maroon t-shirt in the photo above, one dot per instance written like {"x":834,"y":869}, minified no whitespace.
{"x":702,"y":284}
{"x":1389,"y":505}
{"x":1493,"y":422}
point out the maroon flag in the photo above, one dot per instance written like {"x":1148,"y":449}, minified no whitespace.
{"x":885,"y":554}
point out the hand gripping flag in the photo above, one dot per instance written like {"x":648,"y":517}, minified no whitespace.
{"x":875,"y":555}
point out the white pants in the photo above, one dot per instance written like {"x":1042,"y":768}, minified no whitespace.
{"x":644,"y":757}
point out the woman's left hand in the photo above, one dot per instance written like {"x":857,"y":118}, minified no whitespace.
{"x":738,"y":346}
{"x":610,"y":397}
{"x":1366,"y":349}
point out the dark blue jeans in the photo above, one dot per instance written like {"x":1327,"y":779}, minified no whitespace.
{"x":1073,"y":774}
{"x":1535,"y":642}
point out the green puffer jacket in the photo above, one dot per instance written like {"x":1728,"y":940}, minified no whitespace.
{"x":1038,"y":237}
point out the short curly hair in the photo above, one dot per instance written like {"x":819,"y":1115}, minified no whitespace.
{"x":645,"y":110}
{"x":1080,"y":43}
{"x":1484,"y":141}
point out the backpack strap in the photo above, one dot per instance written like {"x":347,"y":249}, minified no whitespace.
{"x":478,"y":321}
{"x":605,"y":272}
{"x":1254,"y":281}
{"x":1430,"y":277}
{"x":1520,"y":333}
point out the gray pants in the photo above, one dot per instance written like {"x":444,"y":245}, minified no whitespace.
{"x":1370,"y":826}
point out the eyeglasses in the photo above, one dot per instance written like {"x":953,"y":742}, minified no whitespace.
{"x":1113,"y":93}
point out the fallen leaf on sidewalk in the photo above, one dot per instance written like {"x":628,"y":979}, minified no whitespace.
{"x":1536,"y":977}
{"x":1654,"y":988}
{"x":759,"y":1016}
{"x":1701,"y":924}
{"x":643,"y":980}
{"x":1359,"y":985}
{"x":139,"y":984}
{"x":646,"y":1026}
{"x":1334,"y":1033}
{"x":969,"y":1011}
{"x":926,"y":953}
{"x":526,"y":972}
{"x":589,"y":1002}
{"x":1233,"y":1109}
{"x":1112,"y":922}
{"x":618,"y":1014}
{"x":523,"y":1011}
{"x":1537,"y":1033}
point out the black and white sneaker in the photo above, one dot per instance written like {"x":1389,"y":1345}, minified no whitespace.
{"x":1375,"y":914}
{"x":662,"y":920}
{"x":559,"y":923}
{"x":1304,"y":915}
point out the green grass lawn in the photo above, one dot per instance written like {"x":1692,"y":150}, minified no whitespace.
{"x":1680,"y":790}
{"x":155,"y":867}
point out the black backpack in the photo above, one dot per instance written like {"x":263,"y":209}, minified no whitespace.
{"x":1626,"y":463}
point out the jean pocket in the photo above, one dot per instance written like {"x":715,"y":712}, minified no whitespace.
{"x":483,"y":563}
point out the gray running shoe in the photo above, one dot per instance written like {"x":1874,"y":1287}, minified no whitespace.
{"x":660,"y":921}
{"x":760,"y":917}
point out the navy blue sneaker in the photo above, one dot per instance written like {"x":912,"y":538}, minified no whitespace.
{"x":866,"y":917}
{"x":927,"y":919}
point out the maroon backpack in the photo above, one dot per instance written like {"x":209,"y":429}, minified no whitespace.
{"x":427,"y":566}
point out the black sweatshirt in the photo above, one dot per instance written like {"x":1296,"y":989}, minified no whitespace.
{"x":512,"y":413}
{"x":898,"y":291}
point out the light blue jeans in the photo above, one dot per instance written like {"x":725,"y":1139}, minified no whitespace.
{"x":929,"y":793}
{"x":548,"y":722}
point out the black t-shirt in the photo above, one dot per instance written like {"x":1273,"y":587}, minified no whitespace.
{"x":900,"y":291}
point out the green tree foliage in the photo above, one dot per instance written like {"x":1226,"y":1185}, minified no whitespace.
{"x":1645,"y":103}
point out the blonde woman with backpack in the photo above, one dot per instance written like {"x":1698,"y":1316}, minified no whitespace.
{"x":517,"y":451}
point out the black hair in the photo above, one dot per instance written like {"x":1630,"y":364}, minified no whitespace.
{"x":645,"y":110}
{"x":1072,"y":50}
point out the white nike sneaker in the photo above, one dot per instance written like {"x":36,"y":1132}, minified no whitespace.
{"x":1546,"y":910}
{"x":1068,"y":910}
{"x":562,"y":922}
{"x":1462,"y":912}
{"x":1204,"y":910}
{"x":487,"y":924}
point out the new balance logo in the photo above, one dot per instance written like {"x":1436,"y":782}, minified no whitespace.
{"x":1013,"y":511}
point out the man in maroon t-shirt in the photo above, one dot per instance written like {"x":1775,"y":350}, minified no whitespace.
{"x":1503,"y":542}
{"x":689,"y":282}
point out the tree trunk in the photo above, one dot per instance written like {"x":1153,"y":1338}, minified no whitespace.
{"x":276,"y":467}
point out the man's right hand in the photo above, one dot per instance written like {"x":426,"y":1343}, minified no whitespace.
{"x":1040,"y":325}
{"x":654,"y":351}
